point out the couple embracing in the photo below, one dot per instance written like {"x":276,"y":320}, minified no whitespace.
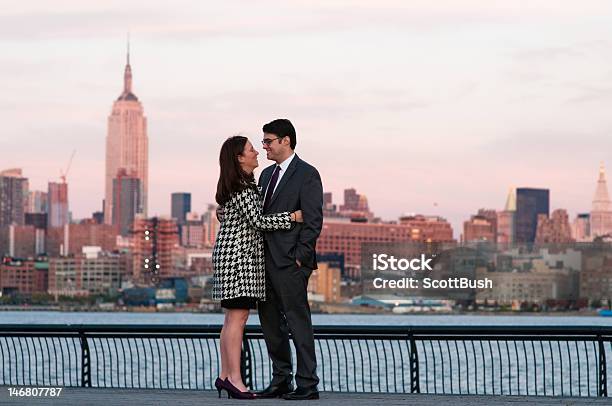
{"x":263,"y":256}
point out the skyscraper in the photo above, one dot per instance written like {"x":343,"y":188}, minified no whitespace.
{"x":211,"y":225}
{"x":192,"y":232}
{"x":481,"y":227}
{"x":13,"y":197}
{"x":37,"y":202}
{"x":126,"y":144}
{"x":529,"y":203}
{"x":554,"y":230}
{"x":181,"y":205}
{"x":351,"y":200}
{"x":505,"y":219}
{"x":57,"y":204}
{"x":601,"y":212}
{"x":154,"y":243}
{"x":126,"y":203}
{"x":581,"y":227}
{"x":327,"y":198}
{"x":354,"y":201}
{"x":355,"y":206}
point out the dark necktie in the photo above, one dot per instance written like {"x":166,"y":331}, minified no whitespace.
{"x":271,"y":186}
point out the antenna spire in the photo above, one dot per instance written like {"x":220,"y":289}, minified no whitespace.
{"x":127,"y":75}
{"x":128,"y":48}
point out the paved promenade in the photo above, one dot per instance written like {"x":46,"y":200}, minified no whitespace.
{"x":167,"y":397}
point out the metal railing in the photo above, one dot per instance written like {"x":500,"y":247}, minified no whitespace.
{"x":494,"y":360}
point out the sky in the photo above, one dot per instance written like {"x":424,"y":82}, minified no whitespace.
{"x":424,"y":107}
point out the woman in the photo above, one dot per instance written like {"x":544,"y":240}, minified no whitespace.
{"x":238,"y":255}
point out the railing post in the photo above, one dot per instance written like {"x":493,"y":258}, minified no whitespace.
{"x":85,"y":361}
{"x":246,"y":363}
{"x":602,"y":380}
{"x":414,"y":366}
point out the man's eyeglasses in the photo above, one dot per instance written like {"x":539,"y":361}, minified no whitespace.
{"x":268,"y":141}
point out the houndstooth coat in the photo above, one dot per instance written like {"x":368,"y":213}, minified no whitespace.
{"x":238,"y":254}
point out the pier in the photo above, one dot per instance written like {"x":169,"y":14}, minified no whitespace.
{"x":420,"y":364}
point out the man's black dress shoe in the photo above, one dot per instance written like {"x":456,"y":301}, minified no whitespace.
{"x":302,"y":394}
{"x":275,"y":390}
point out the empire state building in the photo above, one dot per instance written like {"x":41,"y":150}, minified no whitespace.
{"x":127,"y":157}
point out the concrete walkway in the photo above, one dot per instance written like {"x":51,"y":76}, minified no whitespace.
{"x":168,"y":397}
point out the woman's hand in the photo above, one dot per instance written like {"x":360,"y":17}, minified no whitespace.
{"x":297,"y":215}
{"x":220,"y":213}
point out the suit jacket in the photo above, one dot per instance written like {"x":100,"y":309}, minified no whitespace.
{"x":238,"y":254}
{"x":300,"y":188}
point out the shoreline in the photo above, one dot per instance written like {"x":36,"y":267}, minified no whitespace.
{"x":372,"y":311}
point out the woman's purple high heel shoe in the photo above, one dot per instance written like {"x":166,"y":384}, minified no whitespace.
{"x":234,"y":393}
{"x":220,"y":385}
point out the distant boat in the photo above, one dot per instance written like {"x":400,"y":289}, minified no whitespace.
{"x":605,"y":312}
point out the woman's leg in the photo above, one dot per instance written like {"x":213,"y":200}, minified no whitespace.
{"x":235,"y":320}
{"x":223,"y":345}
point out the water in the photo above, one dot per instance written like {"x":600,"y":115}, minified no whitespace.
{"x":52,"y":317}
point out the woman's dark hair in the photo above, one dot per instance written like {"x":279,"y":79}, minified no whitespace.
{"x":232,"y":178}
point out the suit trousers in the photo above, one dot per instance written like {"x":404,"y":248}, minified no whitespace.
{"x":285,"y":311}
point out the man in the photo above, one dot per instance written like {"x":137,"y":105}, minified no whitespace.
{"x":288,"y":185}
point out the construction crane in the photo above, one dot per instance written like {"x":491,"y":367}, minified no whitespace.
{"x":63,"y":174}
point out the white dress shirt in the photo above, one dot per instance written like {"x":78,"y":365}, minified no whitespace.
{"x":283,"y":168}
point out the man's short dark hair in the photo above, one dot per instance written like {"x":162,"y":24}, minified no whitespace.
{"x":282,"y":127}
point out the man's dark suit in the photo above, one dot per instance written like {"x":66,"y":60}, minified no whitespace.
{"x":286,"y":306}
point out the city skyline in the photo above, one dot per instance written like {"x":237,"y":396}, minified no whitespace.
{"x":181,"y":204}
{"x":529,"y":110}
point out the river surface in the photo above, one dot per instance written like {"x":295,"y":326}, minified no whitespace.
{"x":53,"y":317}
